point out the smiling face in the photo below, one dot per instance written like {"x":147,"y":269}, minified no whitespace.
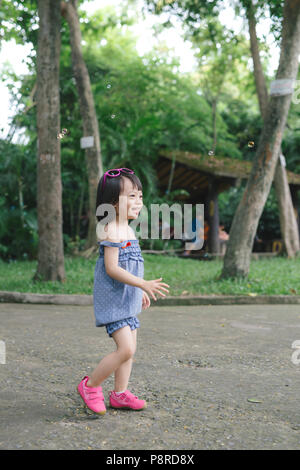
{"x":134,"y":199}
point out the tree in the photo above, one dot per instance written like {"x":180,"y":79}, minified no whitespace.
{"x":288,"y":222}
{"x":49,"y":187}
{"x":88,"y":113}
{"x":193,"y":13}
{"x":244,"y":225}
{"x":143,"y":104}
{"x":219,"y":53}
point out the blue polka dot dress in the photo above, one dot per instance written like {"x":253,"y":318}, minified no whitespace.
{"x":115,"y":300}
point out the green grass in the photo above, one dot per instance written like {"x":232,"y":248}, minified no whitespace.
{"x":266,"y":277}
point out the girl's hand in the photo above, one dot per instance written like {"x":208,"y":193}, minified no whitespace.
{"x":146,"y":301}
{"x":154,"y":286}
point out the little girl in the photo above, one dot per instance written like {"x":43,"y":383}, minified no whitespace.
{"x":120,"y":292}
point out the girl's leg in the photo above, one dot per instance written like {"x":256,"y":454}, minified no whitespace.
{"x":122,"y":374}
{"x":111,"y":362}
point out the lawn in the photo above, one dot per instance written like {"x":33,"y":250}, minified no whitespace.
{"x":267,"y":276}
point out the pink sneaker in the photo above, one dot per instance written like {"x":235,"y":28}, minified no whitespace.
{"x":92,"y":396}
{"x":126,"y":400}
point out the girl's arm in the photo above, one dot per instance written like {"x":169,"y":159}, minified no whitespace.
{"x":111,"y":258}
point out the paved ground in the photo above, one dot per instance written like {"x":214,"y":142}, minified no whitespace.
{"x":197,"y":366}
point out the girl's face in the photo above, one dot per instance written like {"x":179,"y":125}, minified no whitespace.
{"x":134,"y":199}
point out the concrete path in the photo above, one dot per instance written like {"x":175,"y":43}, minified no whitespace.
{"x":197,"y":367}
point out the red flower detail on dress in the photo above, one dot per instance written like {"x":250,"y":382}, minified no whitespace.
{"x":127,"y":244}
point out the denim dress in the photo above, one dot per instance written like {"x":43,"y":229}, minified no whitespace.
{"x":114,"y":300}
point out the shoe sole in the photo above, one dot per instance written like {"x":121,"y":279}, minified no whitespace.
{"x":97,"y":412}
{"x":127,"y":407}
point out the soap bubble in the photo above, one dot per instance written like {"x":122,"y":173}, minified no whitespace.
{"x":113,"y":116}
{"x":211,"y":153}
{"x":63,"y":133}
{"x":250,"y":144}
{"x":108,"y":86}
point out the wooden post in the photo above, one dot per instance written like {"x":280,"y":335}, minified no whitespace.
{"x":213,"y":218}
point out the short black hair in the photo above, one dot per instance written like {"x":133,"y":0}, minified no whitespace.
{"x":112,"y":189}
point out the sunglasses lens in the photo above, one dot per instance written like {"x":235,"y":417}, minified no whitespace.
{"x":113,"y":172}
{"x":127,"y":170}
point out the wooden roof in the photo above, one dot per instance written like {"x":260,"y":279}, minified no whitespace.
{"x":222,"y":169}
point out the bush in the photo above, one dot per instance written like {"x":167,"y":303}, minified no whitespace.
{"x":18,"y":233}
{"x":72,"y":246}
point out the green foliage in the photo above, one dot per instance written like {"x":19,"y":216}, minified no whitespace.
{"x":143,"y":105}
{"x":245,"y":124}
{"x":262,"y":8}
{"x":268,"y":227}
{"x":18,"y":226}
{"x":190,"y":10}
{"x":72,"y":246}
{"x":291,"y":141}
{"x":19,"y":21}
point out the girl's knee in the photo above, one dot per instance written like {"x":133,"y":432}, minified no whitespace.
{"x":126,"y":352}
{"x":125,"y":343}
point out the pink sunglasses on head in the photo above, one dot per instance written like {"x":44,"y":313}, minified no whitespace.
{"x":115,"y":172}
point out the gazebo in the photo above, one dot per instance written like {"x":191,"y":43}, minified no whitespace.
{"x":204,"y":177}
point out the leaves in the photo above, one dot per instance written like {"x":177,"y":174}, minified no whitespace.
{"x":155,"y":106}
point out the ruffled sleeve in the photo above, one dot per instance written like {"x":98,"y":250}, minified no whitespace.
{"x":108,"y":243}
{"x":130,"y":249}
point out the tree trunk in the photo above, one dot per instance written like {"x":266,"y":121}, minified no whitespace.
{"x":21,"y":200}
{"x":260,"y":82}
{"x":295,"y":199}
{"x":246,"y":218}
{"x":288,"y":222}
{"x":214,"y":124}
{"x":80,"y":209}
{"x":88,"y":114}
{"x":49,"y":188}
